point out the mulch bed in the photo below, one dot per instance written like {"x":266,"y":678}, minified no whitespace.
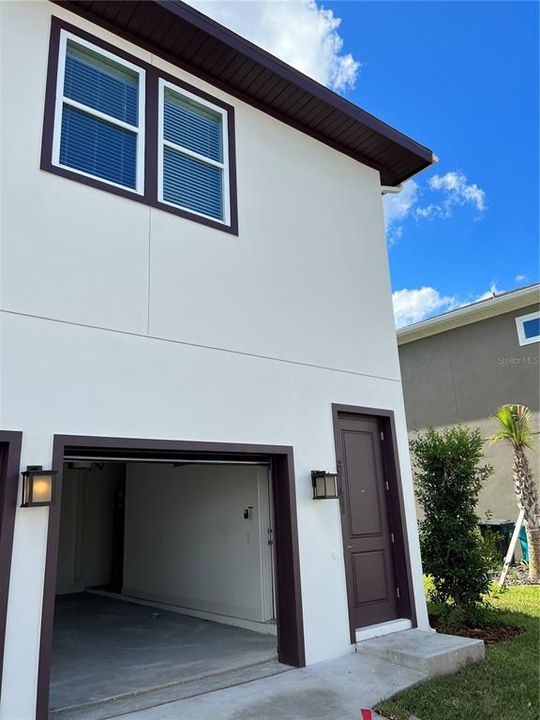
{"x":517,"y":575}
{"x":490,"y":634}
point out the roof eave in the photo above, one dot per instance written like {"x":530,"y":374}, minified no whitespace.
{"x":468,"y":314}
{"x":396,"y":156}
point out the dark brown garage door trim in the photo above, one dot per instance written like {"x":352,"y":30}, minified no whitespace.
{"x":10,"y":460}
{"x":288,"y":594}
{"x":401,"y":558}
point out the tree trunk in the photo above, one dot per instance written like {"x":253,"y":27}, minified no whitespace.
{"x":533,"y":541}
{"x":527,"y":498}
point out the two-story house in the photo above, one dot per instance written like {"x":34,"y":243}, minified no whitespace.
{"x":203,"y":446}
{"x":459,"y":367}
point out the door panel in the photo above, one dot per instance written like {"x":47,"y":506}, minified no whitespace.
{"x":367,"y":538}
{"x":364,"y":501}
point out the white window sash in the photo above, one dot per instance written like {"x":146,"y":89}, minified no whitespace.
{"x":521,"y":330}
{"x":162,"y":143}
{"x":62,"y":100}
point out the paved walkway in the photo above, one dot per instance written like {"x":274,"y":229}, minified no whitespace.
{"x":331,"y":690}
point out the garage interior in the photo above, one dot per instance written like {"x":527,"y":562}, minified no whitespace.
{"x":164,"y":585}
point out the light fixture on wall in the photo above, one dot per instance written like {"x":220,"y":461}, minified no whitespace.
{"x":324,"y":485}
{"x":38,"y":486}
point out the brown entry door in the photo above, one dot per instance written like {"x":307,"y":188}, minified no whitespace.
{"x":367,"y":539}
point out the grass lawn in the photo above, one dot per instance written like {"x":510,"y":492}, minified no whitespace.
{"x":505,"y":686}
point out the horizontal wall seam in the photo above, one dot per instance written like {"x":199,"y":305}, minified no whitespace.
{"x":197,"y":345}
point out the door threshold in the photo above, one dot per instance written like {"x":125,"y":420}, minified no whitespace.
{"x":384,"y":628}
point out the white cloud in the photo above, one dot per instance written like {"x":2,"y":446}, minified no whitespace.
{"x":300,"y":32}
{"x":520,"y":278}
{"x":493,"y":290}
{"x":457,"y":191}
{"x":396,"y":209}
{"x":414,"y":305}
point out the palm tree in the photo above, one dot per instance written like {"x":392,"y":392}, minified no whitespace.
{"x":514,"y":423}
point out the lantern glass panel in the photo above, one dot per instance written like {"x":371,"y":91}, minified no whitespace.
{"x":319,"y":487}
{"x":330,"y":486}
{"x":42,"y":488}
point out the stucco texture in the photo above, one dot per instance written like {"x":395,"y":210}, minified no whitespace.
{"x":462,"y":376}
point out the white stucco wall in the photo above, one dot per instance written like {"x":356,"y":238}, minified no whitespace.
{"x":187,"y":543}
{"x":124,"y":321}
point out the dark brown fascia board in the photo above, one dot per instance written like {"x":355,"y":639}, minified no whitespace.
{"x":277,"y":66}
{"x":285,"y":72}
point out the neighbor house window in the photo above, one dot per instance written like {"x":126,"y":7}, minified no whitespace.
{"x":99,"y":115}
{"x":528,"y":328}
{"x":193,"y":154}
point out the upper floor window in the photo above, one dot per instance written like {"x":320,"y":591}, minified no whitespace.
{"x":99,"y":123}
{"x":193,"y":149}
{"x":528,"y":328}
{"x":117,"y":123}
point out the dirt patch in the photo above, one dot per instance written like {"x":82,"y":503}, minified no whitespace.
{"x":490,"y":634}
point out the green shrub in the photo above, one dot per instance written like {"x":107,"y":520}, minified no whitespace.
{"x":448,"y":478}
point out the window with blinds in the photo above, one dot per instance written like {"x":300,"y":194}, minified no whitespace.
{"x":193,"y":154}
{"x":99,"y":133}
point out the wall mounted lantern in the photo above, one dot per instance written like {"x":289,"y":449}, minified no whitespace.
{"x":324,"y":485}
{"x":38,"y":486}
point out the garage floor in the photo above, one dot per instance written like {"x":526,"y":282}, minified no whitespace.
{"x":105,"y":648}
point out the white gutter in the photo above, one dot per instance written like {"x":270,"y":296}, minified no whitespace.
{"x":390,"y":190}
{"x":475,"y":312}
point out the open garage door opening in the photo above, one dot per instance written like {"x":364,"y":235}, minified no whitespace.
{"x":164,"y":581}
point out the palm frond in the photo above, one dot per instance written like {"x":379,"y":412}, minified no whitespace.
{"x":514,"y":425}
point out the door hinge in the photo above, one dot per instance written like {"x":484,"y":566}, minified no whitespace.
{"x":398,"y":593}
{"x":392,"y":538}
{"x":382,"y":435}
{"x":387,"y":485}
{"x":270,"y":538}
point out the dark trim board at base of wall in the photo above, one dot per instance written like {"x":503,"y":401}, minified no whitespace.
{"x":290,"y":627}
{"x":10,"y":461}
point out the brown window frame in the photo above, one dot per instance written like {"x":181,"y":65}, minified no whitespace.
{"x":153,"y":75}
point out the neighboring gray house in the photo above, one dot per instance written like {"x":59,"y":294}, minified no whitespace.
{"x":459,"y":367}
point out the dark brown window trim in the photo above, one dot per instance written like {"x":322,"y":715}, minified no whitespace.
{"x":153,"y":74}
{"x":396,"y":506}
{"x":10,"y":460}
{"x":290,"y":625}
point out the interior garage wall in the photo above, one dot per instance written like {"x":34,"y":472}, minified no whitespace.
{"x":188,"y":544}
{"x":85,"y":554}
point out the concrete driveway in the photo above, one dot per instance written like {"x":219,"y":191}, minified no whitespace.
{"x":331,"y":690}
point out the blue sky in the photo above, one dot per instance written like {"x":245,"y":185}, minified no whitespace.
{"x":460,"y":77}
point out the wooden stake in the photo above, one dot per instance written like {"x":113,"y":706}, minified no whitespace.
{"x":511,"y":547}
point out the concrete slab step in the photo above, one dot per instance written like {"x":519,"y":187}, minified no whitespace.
{"x":427,"y":652}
